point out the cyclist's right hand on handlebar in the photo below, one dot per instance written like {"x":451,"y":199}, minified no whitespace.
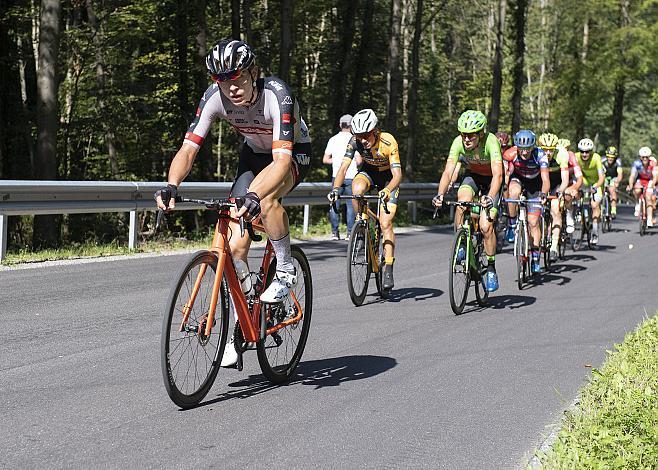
{"x":437,"y":200}
{"x":333,"y":195}
{"x":165,"y":198}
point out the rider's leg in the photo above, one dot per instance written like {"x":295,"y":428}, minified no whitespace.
{"x":360,"y":186}
{"x":556,"y":217}
{"x":613,"y":199}
{"x":464,"y":194}
{"x":651,"y":202}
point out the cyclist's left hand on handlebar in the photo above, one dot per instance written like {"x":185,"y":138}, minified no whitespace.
{"x":248,"y":206}
{"x":333,"y":195}
{"x":385,"y":195}
{"x":543,"y":197}
{"x":165,"y":198}
{"x":486,"y":201}
{"x":437,"y":200}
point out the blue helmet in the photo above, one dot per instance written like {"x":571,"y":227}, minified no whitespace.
{"x":525,"y":138}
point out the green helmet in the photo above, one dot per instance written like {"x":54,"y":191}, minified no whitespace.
{"x":471,"y":121}
{"x":611,"y":151}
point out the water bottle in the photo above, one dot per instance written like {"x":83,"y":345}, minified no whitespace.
{"x":244,"y":276}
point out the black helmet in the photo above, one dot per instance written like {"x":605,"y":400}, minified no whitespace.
{"x":228,"y":59}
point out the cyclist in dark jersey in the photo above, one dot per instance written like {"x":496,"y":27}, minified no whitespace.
{"x":613,"y":176}
{"x":274,"y":159}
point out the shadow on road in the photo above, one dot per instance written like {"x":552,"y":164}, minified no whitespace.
{"x":319,"y":373}
{"x":498,"y":302}
{"x":415,"y":293}
{"x":580,"y":257}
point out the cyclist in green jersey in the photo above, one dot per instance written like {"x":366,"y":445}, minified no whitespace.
{"x":594,"y":177}
{"x":479,"y":152}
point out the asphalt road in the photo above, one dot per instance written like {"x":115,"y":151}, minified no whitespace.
{"x":403,"y":383}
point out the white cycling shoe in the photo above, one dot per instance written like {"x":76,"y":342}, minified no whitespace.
{"x":570,"y":222}
{"x":230,"y":357}
{"x":279,"y":290}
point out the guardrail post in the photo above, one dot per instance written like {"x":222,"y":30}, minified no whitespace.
{"x":307,"y":215}
{"x":132,"y":234}
{"x":411,"y":207}
{"x":4,"y":221}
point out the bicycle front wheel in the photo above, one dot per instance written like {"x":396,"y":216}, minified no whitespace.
{"x":578,"y":232}
{"x":358,"y":267}
{"x":279,"y":353}
{"x":521,"y":255}
{"x":190,"y":359}
{"x":459,"y":272}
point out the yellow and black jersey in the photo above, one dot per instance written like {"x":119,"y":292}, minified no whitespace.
{"x":383,"y":156}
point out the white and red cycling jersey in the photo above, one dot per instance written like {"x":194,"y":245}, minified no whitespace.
{"x":644,"y":174}
{"x":272,"y":122}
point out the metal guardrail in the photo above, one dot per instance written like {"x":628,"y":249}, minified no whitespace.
{"x":31,"y":197}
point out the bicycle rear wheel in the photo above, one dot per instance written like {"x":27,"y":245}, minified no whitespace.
{"x":279,"y":353}
{"x":459,"y":272}
{"x":190,"y":360}
{"x":547,"y":236}
{"x":358,"y":267}
{"x":578,"y":231}
{"x":481,"y":292}
{"x":379,"y":277}
{"x":605,"y":213}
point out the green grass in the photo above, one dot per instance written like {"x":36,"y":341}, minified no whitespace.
{"x":616,"y":422}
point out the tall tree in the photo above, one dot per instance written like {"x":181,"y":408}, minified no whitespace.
{"x":98,"y":41}
{"x":363,"y":56}
{"x":235,"y":18}
{"x":346,"y":20}
{"x":497,"y":79}
{"x":413,"y":92}
{"x":46,"y":228}
{"x":394,"y":77}
{"x":620,"y":85}
{"x":286,"y":40}
{"x":519,"y":53}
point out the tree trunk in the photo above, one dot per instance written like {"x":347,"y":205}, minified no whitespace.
{"x":497,"y":80}
{"x":99,"y":41}
{"x":413,"y":92}
{"x":204,"y":158}
{"x":286,"y":40}
{"x":582,"y":110}
{"x":235,"y":19}
{"x":363,"y":57}
{"x":394,"y":78}
{"x":519,"y":51}
{"x":46,"y":228}
{"x":246,"y":18}
{"x":183,"y":92}
{"x":344,"y":58}
{"x":620,"y":86}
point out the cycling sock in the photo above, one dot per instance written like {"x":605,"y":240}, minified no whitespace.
{"x":389,"y":260}
{"x":512,"y":221}
{"x":554,"y":242}
{"x":535,"y":254}
{"x":595,"y":228}
{"x":283,"y":256}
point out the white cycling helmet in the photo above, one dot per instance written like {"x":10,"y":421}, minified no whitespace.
{"x":586,"y":145}
{"x":364,"y":121}
{"x":644,"y":152}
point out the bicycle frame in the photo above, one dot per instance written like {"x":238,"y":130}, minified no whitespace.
{"x":365,"y":213}
{"x":251,"y":321}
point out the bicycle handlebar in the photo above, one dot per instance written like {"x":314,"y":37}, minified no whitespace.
{"x":362,"y":196}
{"x":464,"y":204}
{"x":214,"y":204}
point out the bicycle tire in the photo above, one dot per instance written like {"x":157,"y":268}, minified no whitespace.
{"x":459,"y":271}
{"x":481,"y":292}
{"x":358,"y":265}
{"x":643,"y":216}
{"x":546,"y":241}
{"x":279,"y":353}
{"x":379,"y":277}
{"x":519,"y":251}
{"x":605,"y":213}
{"x":187,"y":343}
{"x":577,"y":234}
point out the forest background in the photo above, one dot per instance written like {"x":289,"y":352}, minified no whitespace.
{"x":105,"y":90}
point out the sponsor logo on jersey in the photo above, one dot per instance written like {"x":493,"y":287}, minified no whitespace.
{"x":276,"y":85}
{"x":302,"y":159}
{"x":285,"y":118}
{"x":241,"y":121}
{"x":286,"y":132}
{"x":198,"y":112}
{"x":304,"y":132}
{"x":253,"y":130}
{"x":287,"y":100}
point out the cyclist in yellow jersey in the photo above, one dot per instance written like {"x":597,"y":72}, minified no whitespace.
{"x":594,"y":177}
{"x":381,"y":169}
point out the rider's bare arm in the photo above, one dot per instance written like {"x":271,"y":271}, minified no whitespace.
{"x":342,"y":171}
{"x":446,"y":177}
{"x":496,"y":178}
{"x":181,"y":164}
{"x":564,"y":175}
{"x":545,"y":181}
{"x":395,"y":180}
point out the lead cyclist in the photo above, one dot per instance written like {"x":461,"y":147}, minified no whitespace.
{"x":274,"y":159}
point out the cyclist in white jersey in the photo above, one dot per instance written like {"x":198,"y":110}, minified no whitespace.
{"x":274,"y":159}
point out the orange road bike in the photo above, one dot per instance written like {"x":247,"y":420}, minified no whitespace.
{"x":196,"y":321}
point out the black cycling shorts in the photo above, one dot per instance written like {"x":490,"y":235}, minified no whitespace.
{"x":252,"y":163}
{"x":479,"y":184}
